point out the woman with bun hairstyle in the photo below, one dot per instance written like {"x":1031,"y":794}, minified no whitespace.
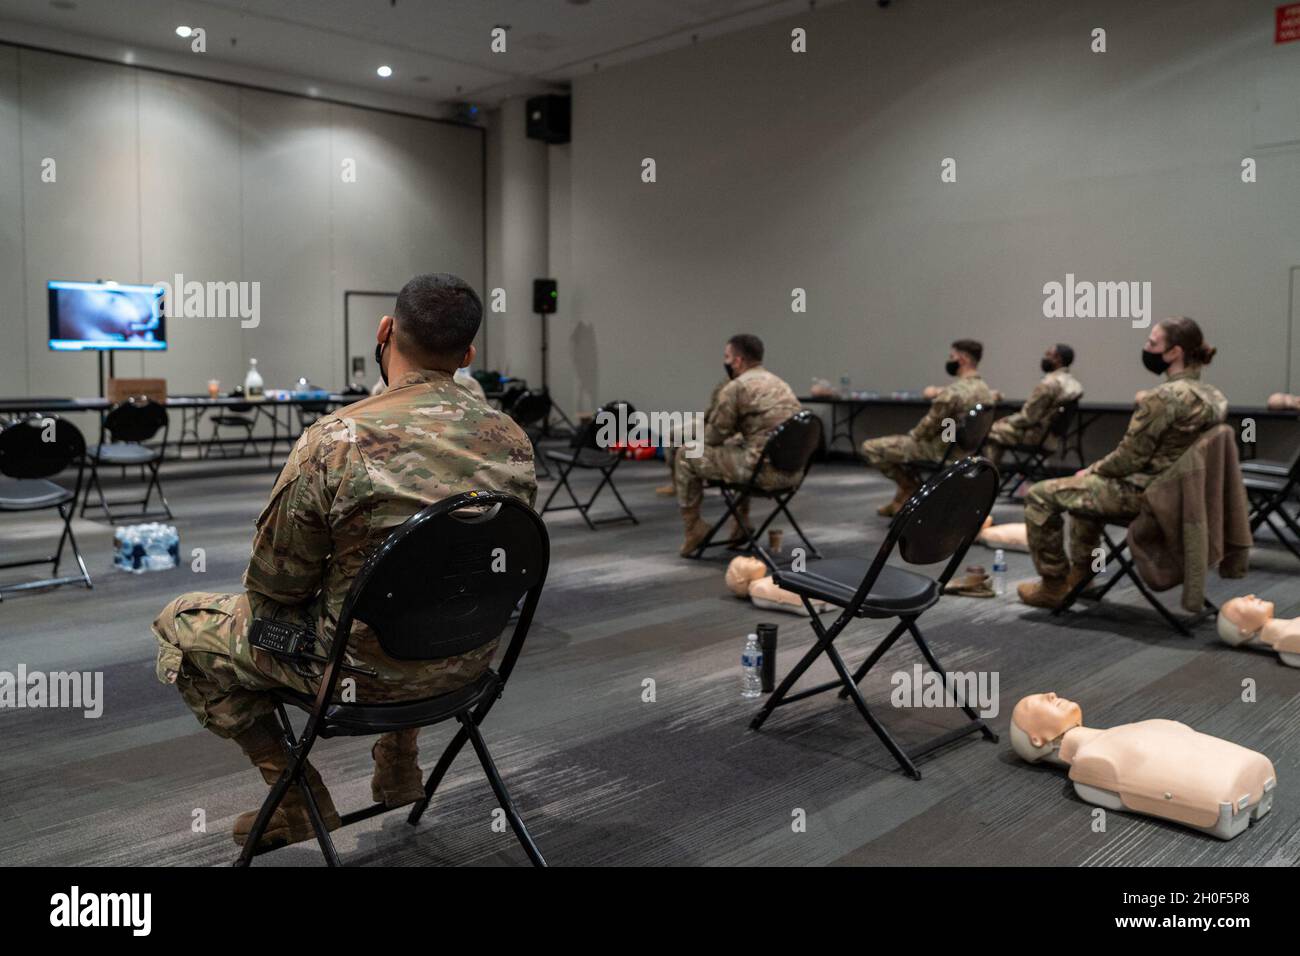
{"x":1167,"y":421}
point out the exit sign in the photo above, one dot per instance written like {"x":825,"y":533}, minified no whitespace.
{"x":1288,"y":23}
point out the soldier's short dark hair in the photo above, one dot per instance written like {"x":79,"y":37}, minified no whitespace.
{"x":972,"y":348}
{"x":437,"y":316}
{"x":1066,"y":353}
{"x":749,"y":346}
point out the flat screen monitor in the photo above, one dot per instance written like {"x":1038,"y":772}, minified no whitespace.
{"x":106,"y":315}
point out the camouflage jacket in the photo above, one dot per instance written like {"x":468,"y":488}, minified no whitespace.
{"x":354,"y":476}
{"x":953,"y":402}
{"x":1166,"y":423}
{"x":1055,"y":389}
{"x":750,"y":406}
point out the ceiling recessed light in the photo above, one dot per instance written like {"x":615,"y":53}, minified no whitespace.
{"x":183,"y":31}
{"x":385,"y":71}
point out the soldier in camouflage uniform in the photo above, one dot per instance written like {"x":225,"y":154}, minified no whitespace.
{"x":745,"y":413}
{"x":926,"y":441}
{"x":1027,"y":426}
{"x":672,"y":445}
{"x":1167,"y":421}
{"x":353,"y":477}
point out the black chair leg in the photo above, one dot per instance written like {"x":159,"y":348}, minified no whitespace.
{"x":885,"y":736}
{"x":878,"y":653}
{"x":939,"y":669}
{"x":435,"y":778}
{"x":499,"y":788}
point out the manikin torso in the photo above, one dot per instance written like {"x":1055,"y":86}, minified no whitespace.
{"x":1167,"y":769}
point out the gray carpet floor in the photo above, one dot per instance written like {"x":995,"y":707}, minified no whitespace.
{"x":604,"y":777}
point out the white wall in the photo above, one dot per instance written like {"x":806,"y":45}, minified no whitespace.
{"x":821,"y":170}
{"x":159,"y":174}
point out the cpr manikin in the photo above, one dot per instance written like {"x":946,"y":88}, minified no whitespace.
{"x":749,"y":577}
{"x":1248,"y":621}
{"x":1158,"y":767}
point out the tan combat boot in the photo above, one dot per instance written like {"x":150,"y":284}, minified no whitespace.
{"x":1050,"y":592}
{"x":696,"y":530}
{"x":904,"y":491}
{"x":290,"y":823}
{"x":397,"y":780}
{"x":666,"y":491}
{"x":738,"y":535}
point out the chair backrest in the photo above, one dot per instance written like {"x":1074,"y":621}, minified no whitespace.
{"x":39,"y":447}
{"x":791,"y":445}
{"x":529,"y":407}
{"x":238,"y":408}
{"x":974,"y":427}
{"x":135,"y":420}
{"x":1064,"y":418}
{"x":120,"y":389}
{"x":511,"y":394}
{"x":447,"y":580}
{"x":945,"y":515}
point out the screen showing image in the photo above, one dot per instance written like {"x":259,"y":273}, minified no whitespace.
{"x":101,"y":315}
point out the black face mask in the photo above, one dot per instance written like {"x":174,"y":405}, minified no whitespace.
{"x":379,"y":360}
{"x":1047,"y":365}
{"x":1154,"y":362}
{"x":951,"y":367}
{"x":731,"y":372}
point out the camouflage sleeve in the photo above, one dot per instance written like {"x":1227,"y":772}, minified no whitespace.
{"x":1037,"y":408}
{"x":945,"y":405}
{"x":724,"y":419}
{"x":293,"y":537}
{"x":713,"y":400}
{"x":1139,"y":443}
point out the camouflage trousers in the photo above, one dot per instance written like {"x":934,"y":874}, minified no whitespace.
{"x":1049,"y":501}
{"x":888,"y":453}
{"x":203,"y":649}
{"x":728,"y":463}
{"x":1004,"y":434}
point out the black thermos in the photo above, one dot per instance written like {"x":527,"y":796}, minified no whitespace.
{"x":767,"y":644}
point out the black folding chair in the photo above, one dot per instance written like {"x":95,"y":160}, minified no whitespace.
{"x":790,"y":448}
{"x":434,"y":589}
{"x":936,"y":524}
{"x":129,"y":424}
{"x":1029,"y":462}
{"x":587,"y":454}
{"x":972,"y":430}
{"x":31,"y":453}
{"x":1115,"y":554}
{"x":531,"y":410}
{"x":1270,"y":487}
{"x":239,"y":415}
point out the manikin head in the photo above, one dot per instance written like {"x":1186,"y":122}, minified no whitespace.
{"x":1242,"y":617}
{"x":1039,"y":721}
{"x":742,"y":572}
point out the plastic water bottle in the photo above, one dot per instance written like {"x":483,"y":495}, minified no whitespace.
{"x":999,"y":572}
{"x":751,"y":667}
{"x":253,"y":381}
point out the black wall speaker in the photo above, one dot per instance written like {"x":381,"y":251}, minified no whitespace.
{"x":548,"y":118}
{"x":545,"y":296}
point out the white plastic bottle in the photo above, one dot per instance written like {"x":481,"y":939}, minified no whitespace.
{"x":253,"y":381}
{"x":751,"y":667}
{"x":999,"y":572}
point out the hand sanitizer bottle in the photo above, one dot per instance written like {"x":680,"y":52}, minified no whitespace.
{"x":253,"y":381}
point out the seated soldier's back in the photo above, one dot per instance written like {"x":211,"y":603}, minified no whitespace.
{"x":765,"y":402}
{"x":1183,"y":408}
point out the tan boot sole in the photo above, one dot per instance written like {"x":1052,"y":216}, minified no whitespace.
{"x":394,"y":797}
{"x":283,"y":829}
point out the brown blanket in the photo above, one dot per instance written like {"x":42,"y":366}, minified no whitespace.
{"x":1194,"y":517}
